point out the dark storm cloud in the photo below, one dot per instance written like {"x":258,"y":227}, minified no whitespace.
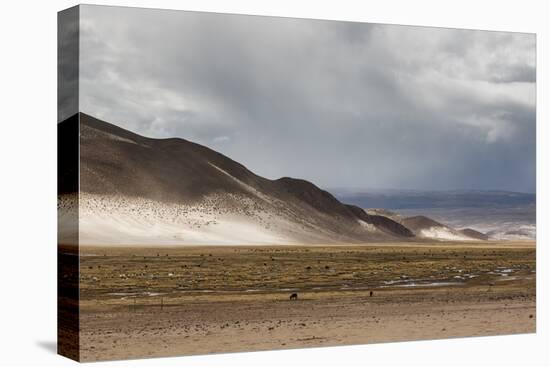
{"x":341,"y":104}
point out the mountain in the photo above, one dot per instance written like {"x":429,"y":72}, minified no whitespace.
{"x":425,"y":227}
{"x":138,"y":190}
{"x":472,"y":233}
{"x":385,"y":213}
{"x":382,"y":222}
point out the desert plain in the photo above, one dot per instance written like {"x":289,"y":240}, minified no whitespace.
{"x":140,"y":302}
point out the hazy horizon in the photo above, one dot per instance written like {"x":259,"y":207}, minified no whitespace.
{"x":413,"y":190}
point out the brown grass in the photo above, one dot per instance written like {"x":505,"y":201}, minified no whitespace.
{"x":160,"y":297}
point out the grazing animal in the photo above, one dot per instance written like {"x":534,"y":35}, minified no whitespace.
{"x":371,"y":293}
{"x":294,"y":297}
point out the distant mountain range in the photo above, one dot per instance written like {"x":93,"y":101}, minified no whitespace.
{"x":410,"y":199}
{"x":138,"y":190}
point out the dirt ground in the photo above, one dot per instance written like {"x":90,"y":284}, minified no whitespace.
{"x":145,"y":302}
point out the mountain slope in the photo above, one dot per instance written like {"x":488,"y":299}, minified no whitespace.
{"x":382,"y":222}
{"x":425,"y":227}
{"x":472,"y":233}
{"x":140,"y":190}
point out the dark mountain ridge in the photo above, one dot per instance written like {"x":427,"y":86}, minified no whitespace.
{"x":115,"y":162}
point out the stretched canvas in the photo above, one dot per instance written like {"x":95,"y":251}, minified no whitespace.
{"x":239,"y":183}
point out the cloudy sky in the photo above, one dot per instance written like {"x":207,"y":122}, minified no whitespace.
{"x":341,"y":104}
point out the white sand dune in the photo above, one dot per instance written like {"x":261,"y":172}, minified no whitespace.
{"x":128,"y":230}
{"x":116,"y":220}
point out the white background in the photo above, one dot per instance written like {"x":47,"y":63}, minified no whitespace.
{"x":28,"y":183}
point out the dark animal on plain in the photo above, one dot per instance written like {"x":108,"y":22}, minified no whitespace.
{"x":371,"y":293}
{"x":294,"y":297}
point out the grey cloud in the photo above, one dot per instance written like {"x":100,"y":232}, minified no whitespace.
{"x":67,"y":63}
{"x":519,"y":73}
{"x":341,"y":104}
